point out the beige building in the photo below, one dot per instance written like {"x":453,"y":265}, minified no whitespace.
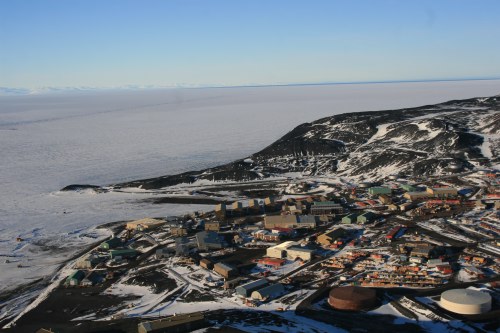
{"x":237,"y":206}
{"x":392,"y":207}
{"x":416,"y":195}
{"x":143,"y":224}
{"x":279,"y":251}
{"x":442,"y":191}
{"x":213,"y":226}
{"x":290,"y":221}
{"x":254,"y":204}
{"x":178,"y":231}
{"x":220,"y":210}
{"x":269,"y":201}
{"x":385,"y":199}
{"x":295,"y":252}
{"x":406,"y":206}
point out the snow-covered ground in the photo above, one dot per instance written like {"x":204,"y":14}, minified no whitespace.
{"x":50,"y":141}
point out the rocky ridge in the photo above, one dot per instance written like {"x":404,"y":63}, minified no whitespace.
{"x":454,"y":136}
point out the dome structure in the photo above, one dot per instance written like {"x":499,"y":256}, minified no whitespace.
{"x":466,"y":301}
{"x":352,"y":298}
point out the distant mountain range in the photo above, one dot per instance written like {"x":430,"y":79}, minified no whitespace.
{"x":454,"y":136}
{"x":6,"y":91}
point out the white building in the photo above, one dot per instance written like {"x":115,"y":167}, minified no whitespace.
{"x":295,"y":252}
{"x":280,"y":251}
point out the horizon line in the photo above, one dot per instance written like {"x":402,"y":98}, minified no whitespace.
{"x":138,"y":87}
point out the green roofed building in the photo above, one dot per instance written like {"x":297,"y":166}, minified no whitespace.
{"x":366,"y":218}
{"x":111,"y":243}
{"x":409,"y":188}
{"x":75,"y":278}
{"x":125,"y":253}
{"x":350,"y":219}
{"x":379,"y":190}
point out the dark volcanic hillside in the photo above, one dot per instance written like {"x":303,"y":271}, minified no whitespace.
{"x":433,"y":139}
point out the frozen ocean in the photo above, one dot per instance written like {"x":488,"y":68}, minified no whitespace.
{"x":49,"y":141}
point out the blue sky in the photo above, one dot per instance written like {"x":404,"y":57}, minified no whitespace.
{"x":108,"y":43}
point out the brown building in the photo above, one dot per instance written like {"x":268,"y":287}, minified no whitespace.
{"x":220,"y":210}
{"x":413,"y":196}
{"x":144,"y":224}
{"x":442,"y":191}
{"x":352,"y":298}
{"x":213,"y":226}
{"x":385,"y":199}
{"x":237,"y":206}
{"x":290,"y":221}
{"x":206,"y":263}
{"x":269,"y":201}
{"x":178,"y":232}
{"x":422,"y":251}
{"x":329,"y":237}
{"x":225,"y":270}
{"x":253,"y":204}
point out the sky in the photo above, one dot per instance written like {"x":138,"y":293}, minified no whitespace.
{"x":96,"y":43}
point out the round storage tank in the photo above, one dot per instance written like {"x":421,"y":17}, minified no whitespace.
{"x":466,"y":301}
{"x":352,"y":298}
